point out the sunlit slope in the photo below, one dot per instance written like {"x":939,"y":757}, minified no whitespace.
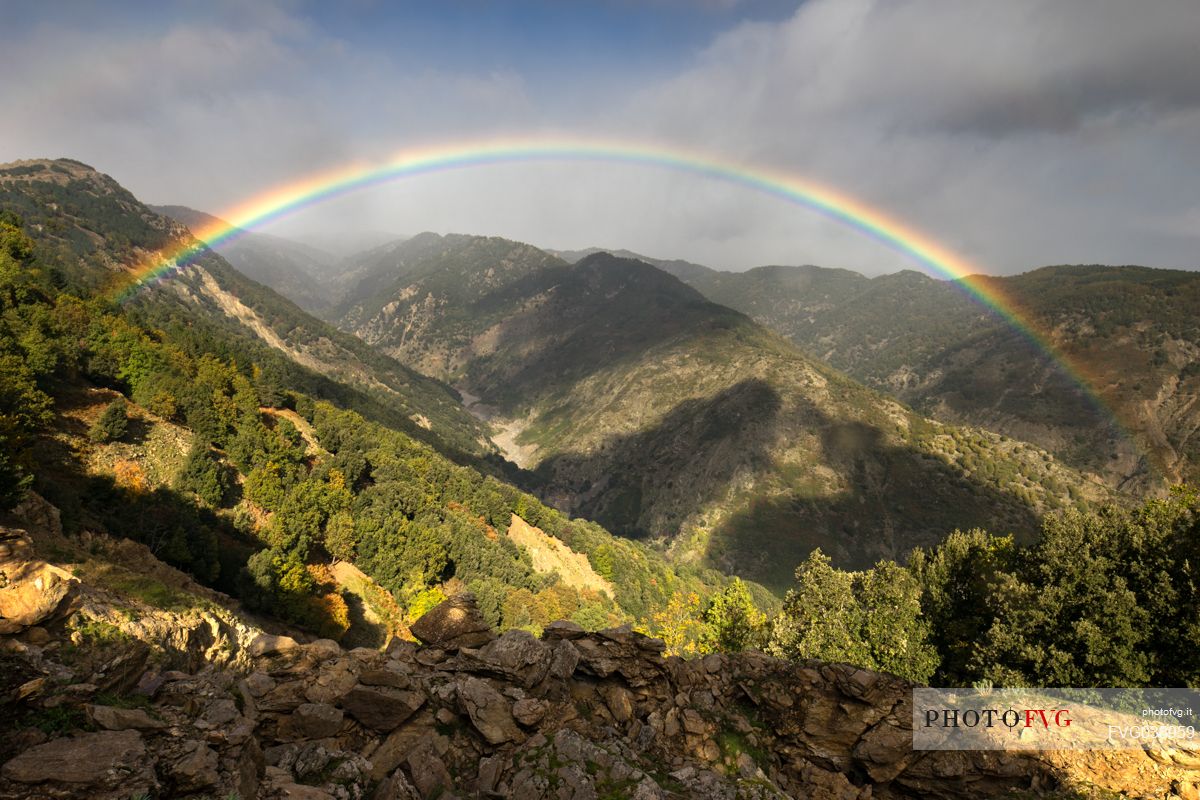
{"x":95,"y":233}
{"x":1134,"y":330}
{"x":664,"y":415}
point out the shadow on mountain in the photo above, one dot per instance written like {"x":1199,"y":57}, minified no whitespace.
{"x":175,"y":528}
{"x":604,"y":312}
{"x":645,"y":484}
{"x":895,"y":498}
{"x":724,"y":451}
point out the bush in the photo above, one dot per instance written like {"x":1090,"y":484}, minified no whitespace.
{"x":112,"y":424}
{"x":203,"y":475}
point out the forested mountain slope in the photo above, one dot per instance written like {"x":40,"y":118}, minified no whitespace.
{"x":663,"y":415}
{"x":307,"y":511}
{"x":1134,"y":331}
{"x":300,"y":273}
{"x":95,"y":233}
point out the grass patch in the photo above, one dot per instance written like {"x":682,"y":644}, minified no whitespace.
{"x":58,"y":721}
{"x":150,"y":591}
{"x":733,"y":744}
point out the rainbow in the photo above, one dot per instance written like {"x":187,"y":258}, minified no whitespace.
{"x":891,"y":232}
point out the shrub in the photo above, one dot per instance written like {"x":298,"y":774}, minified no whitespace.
{"x":112,"y":423}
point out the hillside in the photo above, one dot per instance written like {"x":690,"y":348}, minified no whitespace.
{"x":265,"y":492}
{"x":127,"y":679}
{"x":665,"y":416}
{"x":298,"y":272}
{"x":424,"y":299}
{"x":1132,"y":329}
{"x":92,"y":232}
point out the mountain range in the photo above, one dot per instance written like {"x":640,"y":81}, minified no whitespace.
{"x":481,"y":434}
{"x":1132,"y":331}
{"x":663,"y":415}
{"x":736,"y":420}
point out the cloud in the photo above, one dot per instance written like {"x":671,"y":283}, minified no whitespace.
{"x":1018,"y":133}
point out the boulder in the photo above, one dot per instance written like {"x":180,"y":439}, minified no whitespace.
{"x":489,"y":711}
{"x":31,"y":591}
{"x":323,"y":649}
{"x":516,"y":655}
{"x":563,"y":629}
{"x":429,"y":773}
{"x":394,"y":749}
{"x":332,"y":682}
{"x":618,"y":650}
{"x":619,"y":701}
{"x":310,"y":721}
{"x":196,"y":769}
{"x":528,"y":711}
{"x":267,"y":645}
{"x":454,"y":624}
{"x":90,"y":759}
{"x":385,"y":677}
{"x":382,"y":707}
{"x":259,"y":683}
{"x":564,"y":658}
{"x":396,"y":787}
{"x":121,"y":673}
{"x":123,"y":719}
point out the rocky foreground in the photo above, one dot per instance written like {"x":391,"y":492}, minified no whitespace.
{"x":191,"y":703}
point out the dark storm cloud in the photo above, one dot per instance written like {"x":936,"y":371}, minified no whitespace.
{"x":1004,"y":67}
{"x":1016,"y":132}
{"x":1019,"y":133}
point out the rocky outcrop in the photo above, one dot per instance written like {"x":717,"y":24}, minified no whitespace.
{"x":32,"y":592}
{"x":454,"y":624}
{"x":98,"y":761}
{"x":571,"y":716}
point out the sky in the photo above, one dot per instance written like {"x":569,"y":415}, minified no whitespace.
{"x":1016,"y":134}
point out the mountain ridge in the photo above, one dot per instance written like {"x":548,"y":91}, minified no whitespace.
{"x":92,"y":229}
{"x":664,"y":415}
{"x":928,"y":343}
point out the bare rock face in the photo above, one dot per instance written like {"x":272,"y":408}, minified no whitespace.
{"x":103,"y":759}
{"x":454,"y":624}
{"x":490,"y":711}
{"x":31,"y":591}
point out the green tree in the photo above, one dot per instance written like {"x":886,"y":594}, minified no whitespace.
{"x":821,"y":617}
{"x":1070,"y":617}
{"x":894,"y":630}
{"x":112,"y":423}
{"x":24,"y":409}
{"x":959,"y":580}
{"x":871,"y":619}
{"x":204,"y":475}
{"x":14,"y":480}
{"x":731,"y":620}
{"x":340,"y":539}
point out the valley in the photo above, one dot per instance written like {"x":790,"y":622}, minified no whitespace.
{"x":338,"y":462}
{"x":673,"y":419}
{"x":1130,"y":329}
{"x":595,"y":441}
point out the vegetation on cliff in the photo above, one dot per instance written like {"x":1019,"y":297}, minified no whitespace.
{"x":1132,"y":332}
{"x":256,"y":506}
